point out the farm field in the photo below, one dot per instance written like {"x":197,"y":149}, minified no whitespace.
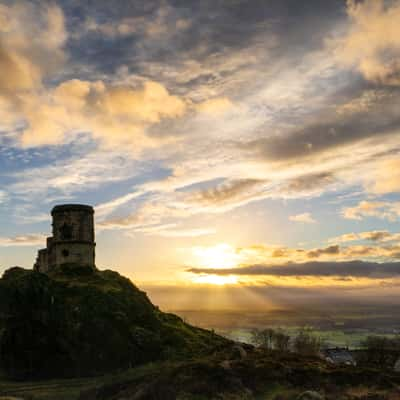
{"x":330,"y":338}
{"x":336,"y":327}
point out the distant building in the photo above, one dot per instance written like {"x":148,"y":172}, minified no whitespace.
{"x":338,"y":356}
{"x":73,"y":240}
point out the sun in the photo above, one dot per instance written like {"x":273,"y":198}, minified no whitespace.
{"x":220,"y":256}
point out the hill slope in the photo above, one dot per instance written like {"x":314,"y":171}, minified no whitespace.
{"x":266,"y":375}
{"x":79,"y":322}
{"x":226,"y":374}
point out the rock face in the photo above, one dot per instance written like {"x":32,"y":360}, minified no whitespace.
{"x":77,"y":321}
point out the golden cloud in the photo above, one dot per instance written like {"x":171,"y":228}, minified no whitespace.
{"x":115,"y":115}
{"x":372,"y":44}
{"x":374,"y":236}
{"x":215,"y":106}
{"x":377,"y":209}
{"x":31,"y":49}
{"x":386,"y":177}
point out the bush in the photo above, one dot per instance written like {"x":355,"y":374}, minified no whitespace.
{"x":380,"y":351}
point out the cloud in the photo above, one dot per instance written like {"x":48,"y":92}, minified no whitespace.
{"x":215,"y":106}
{"x":226,"y":192}
{"x":172,"y":231}
{"x":372,"y":44}
{"x":23,"y":240}
{"x":115,"y":115}
{"x":307,"y":185}
{"x":277,"y":256}
{"x":323,"y":137}
{"x":131,"y":221}
{"x":377,"y":236}
{"x":347,"y":237}
{"x":32,"y":56}
{"x":196,"y":187}
{"x":31,"y":45}
{"x":330,"y":250}
{"x":377,"y":209}
{"x":104,"y":209}
{"x":164,"y":21}
{"x":374,"y":236}
{"x":175,"y":198}
{"x":365,"y":102}
{"x":69,"y":176}
{"x":32,"y":39}
{"x":359,"y":269}
{"x":305,"y":218}
{"x":385,"y":178}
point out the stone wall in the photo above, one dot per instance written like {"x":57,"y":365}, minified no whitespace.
{"x":73,"y":253}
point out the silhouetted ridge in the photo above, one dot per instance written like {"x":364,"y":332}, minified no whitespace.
{"x":77,"y":321}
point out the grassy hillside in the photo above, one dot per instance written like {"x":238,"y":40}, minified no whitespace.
{"x":225,"y":375}
{"x":80,"y":322}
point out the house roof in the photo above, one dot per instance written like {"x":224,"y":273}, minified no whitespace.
{"x":339,"y":355}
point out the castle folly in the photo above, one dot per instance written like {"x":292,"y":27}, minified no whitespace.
{"x":73,"y":238}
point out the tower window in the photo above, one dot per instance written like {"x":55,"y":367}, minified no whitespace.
{"x":65,"y":253}
{"x":66,"y":231}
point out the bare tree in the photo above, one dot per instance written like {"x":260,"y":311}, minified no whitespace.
{"x":271,"y":339}
{"x":306,"y":342}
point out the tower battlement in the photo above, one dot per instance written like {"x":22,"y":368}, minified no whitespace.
{"x":73,"y":239}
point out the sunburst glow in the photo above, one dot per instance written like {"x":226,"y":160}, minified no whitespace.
{"x":219,"y":256}
{"x":216,"y":279}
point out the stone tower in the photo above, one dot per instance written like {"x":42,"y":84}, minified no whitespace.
{"x":73,"y":239}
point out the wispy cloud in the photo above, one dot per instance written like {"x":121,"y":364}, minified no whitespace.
{"x":174,"y":231}
{"x":23,"y":240}
{"x":305,"y":218}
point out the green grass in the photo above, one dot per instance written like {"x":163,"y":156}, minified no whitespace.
{"x":272,"y":392}
{"x":47,"y":390}
{"x":70,"y":389}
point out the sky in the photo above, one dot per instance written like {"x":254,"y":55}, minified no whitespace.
{"x":238,"y":153}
